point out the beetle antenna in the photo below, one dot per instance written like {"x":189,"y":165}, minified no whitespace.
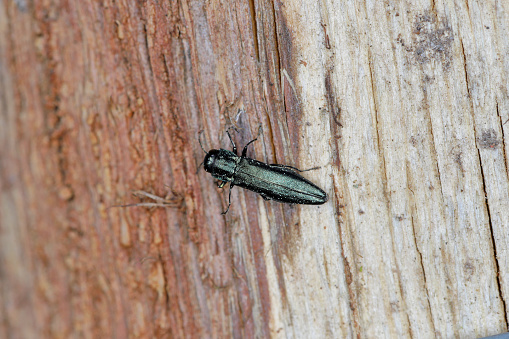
{"x":199,"y":140}
{"x":199,"y":167}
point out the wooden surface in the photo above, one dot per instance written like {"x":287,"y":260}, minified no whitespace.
{"x":403,"y":105}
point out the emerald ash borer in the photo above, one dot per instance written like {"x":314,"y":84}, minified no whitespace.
{"x":273,"y":182}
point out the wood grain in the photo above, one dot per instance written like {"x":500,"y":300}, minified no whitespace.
{"x":403,"y":105}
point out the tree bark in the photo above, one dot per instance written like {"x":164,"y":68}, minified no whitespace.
{"x":404,"y":106}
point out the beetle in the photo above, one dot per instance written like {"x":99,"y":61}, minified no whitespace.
{"x":273,"y":182}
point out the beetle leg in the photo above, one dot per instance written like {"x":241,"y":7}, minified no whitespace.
{"x":234,"y":147}
{"x":294,"y":168}
{"x":221,"y":184}
{"x":244,"y":151}
{"x":264,"y":196}
{"x":229,"y":198}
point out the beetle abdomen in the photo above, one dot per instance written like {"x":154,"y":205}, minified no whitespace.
{"x":277,"y":183}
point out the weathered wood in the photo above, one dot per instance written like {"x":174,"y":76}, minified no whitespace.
{"x":403,"y":105}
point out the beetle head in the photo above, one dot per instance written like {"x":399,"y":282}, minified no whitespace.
{"x":210,"y":159}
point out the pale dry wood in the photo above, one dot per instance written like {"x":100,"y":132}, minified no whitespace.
{"x":403,"y":105}
{"x":422,"y":169}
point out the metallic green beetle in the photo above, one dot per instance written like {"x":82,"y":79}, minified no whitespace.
{"x":273,"y":182}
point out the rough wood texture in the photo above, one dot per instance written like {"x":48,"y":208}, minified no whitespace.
{"x":404,"y":105}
